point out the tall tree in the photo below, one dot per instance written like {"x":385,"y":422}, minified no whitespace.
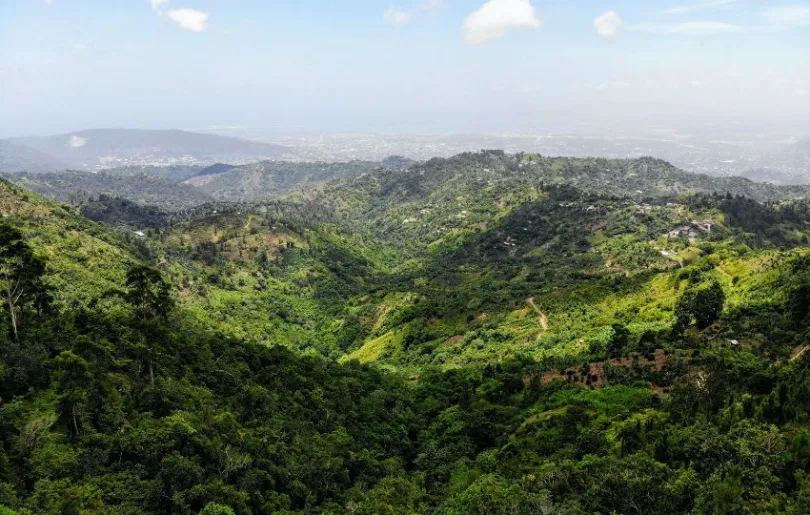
{"x":148,"y":293}
{"x":151,"y":301}
{"x":703,"y":303}
{"x":21,"y":277}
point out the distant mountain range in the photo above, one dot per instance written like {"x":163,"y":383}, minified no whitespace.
{"x":112,"y":148}
{"x":180,"y":154}
{"x":19,"y":158}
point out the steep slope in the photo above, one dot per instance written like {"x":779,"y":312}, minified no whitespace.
{"x":84,"y":259}
{"x":447,"y":199}
{"x":252,"y":274}
{"x":239,"y":271}
{"x":93,"y":373}
{"x":583,"y":263}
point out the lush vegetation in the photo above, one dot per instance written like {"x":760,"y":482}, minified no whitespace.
{"x":266,"y":179}
{"x":473,"y":335}
{"x":143,"y":188}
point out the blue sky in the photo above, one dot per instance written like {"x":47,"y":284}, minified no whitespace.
{"x":401,"y":66}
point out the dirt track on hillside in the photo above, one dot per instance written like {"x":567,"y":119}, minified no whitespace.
{"x":541,"y":317}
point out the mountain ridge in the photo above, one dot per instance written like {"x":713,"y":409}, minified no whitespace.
{"x":95,"y":149}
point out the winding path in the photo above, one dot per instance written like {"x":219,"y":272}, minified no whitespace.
{"x":541,"y":317}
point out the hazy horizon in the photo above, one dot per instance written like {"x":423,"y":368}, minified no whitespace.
{"x":408,"y":66}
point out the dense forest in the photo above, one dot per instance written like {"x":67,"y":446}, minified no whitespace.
{"x":487,"y":334}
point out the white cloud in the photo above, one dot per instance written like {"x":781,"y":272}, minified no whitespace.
{"x":607,"y":25}
{"x":788,"y":16}
{"x":496,"y":18}
{"x":688,"y":28}
{"x":396,"y":16}
{"x":189,"y":19}
{"x":702,"y":6}
{"x":76,"y":141}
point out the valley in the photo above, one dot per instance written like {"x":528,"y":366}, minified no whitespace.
{"x":485,"y":333}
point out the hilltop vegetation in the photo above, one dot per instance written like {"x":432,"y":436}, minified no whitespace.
{"x":176,"y":173}
{"x":263,"y":180}
{"x":485,"y":334}
{"x":77,"y":187}
{"x":362,"y":187}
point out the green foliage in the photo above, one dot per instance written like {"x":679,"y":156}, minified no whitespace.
{"x":216,"y":509}
{"x":20,"y":277}
{"x":266,"y":179}
{"x":515,"y":344}
{"x":702,"y":303}
{"x":799,"y":294}
{"x":145,"y":189}
{"x":148,"y":293}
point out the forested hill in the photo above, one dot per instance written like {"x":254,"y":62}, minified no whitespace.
{"x":393,"y":182}
{"x":146,"y":189}
{"x":487,"y":334}
{"x":438,"y":179}
{"x":443,"y":200}
{"x":266,"y":179}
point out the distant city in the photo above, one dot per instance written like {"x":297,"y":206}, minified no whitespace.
{"x":783,"y":159}
{"x":776,"y":158}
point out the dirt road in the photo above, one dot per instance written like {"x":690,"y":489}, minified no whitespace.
{"x":541,"y":317}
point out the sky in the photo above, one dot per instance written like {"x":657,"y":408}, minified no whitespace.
{"x":418,"y":66}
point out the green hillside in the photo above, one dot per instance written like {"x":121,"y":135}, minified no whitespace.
{"x":143,"y":188}
{"x":486,"y":334}
{"x":266,"y":179}
{"x":84,"y":259}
